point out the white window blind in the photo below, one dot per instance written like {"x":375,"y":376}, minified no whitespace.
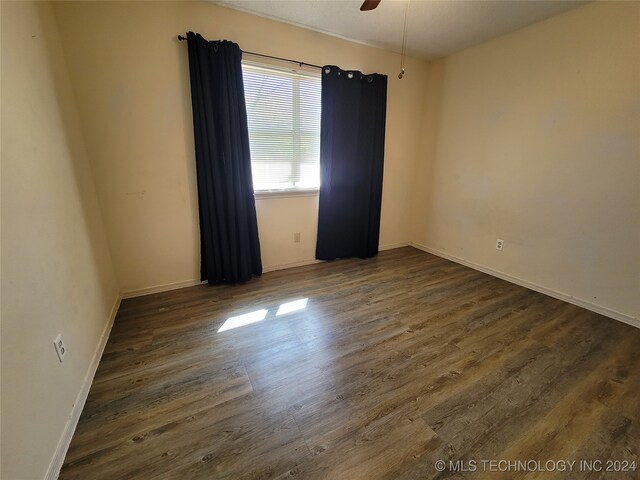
{"x":283,"y":112}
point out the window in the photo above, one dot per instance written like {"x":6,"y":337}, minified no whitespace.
{"x":283,"y":112}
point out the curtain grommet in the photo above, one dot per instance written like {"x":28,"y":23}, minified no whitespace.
{"x":350,"y":74}
{"x":327,"y":70}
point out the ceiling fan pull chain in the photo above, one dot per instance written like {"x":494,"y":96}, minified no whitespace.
{"x":404,"y":41}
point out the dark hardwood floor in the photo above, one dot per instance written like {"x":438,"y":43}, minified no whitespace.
{"x":394,"y":363}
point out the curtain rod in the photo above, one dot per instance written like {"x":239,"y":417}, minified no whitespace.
{"x":297,"y":62}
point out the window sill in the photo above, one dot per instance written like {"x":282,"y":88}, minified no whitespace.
{"x":266,"y":194}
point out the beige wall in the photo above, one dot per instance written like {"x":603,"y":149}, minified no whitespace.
{"x":278,"y":220}
{"x":56,"y":270}
{"x":130,"y":75}
{"x":534,"y":138}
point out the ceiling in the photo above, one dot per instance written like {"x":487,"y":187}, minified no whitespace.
{"x":436,"y":28}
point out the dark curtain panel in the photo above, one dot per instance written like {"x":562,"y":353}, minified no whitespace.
{"x":229,"y":245}
{"x":351,"y":162}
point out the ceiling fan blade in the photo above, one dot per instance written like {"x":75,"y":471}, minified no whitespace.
{"x":369,"y":5}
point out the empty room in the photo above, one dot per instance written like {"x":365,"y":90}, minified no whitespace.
{"x":347,"y":239}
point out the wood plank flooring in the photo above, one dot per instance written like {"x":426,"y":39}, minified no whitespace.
{"x":395,"y":362}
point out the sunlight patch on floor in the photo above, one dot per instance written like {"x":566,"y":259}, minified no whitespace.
{"x":245,"y":319}
{"x":292,"y":306}
{"x":259,"y":315}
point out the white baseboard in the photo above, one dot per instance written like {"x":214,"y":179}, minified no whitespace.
{"x":312,"y":261}
{"x":65,"y":440}
{"x":290,"y":265}
{"x":622,"y":317}
{"x":391,"y":246}
{"x":190,"y":283}
{"x":160,"y":288}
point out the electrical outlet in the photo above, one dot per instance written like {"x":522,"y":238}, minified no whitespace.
{"x":61,"y":349}
{"x":296,"y":238}
{"x":499,"y":244}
